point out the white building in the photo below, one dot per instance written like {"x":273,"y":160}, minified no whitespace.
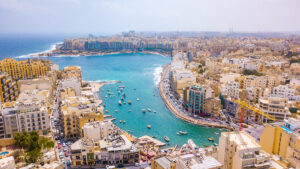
{"x":239,"y":150}
{"x":231,"y":89}
{"x":7,"y":163}
{"x":190,"y":161}
{"x":283,"y":91}
{"x":98,"y":130}
{"x":275,"y":107}
{"x":72,"y":83}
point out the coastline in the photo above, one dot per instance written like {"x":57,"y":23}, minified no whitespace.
{"x":176,"y":112}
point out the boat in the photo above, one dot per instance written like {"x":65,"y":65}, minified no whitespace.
{"x":137,"y":99}
{"x":129,"y":102}
{"x":153,"y":136}
{"x":104,"y":105}
{"x":129,"y":110}
{"x":106,"y":111}
{"x":110,"y":93}
{"x":167,"y":139}
{"x":120,"y":121}
{"x":178,"y":133}
{"x":124,"y":95}
{"x":121,"y":86}
{"x":119,"y":92}
{"x":217,"y":133}
{"x":121,"y":89}
{"x":106,"y":96}
{"x":143,"y":110}
{"x":120,"y":103}
{"x":124,"y":121}
{"x":154,"y":111}
{"x":183,"y":132}
{"x":122,"y":98}
{"x":124,"y":103}
{"x":149,"y":110}
{"x":116,"y":110}
{"x":215,"y":144}
{"x":149,"y":126}
{"x":211,"y":139}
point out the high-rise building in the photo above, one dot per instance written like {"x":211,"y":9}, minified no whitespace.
{"x":276,"y":107}
{"x":239,"y":150}
{"x":283,"y":140}
{"x":8,"y":88}
{"x":196,"y":100}
{"x":25,"y":69}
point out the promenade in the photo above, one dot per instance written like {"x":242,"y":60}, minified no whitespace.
{"x":176,"y":111}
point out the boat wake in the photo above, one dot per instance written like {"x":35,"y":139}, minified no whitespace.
{"x":157,"y":74}
{"x":32,"y":55}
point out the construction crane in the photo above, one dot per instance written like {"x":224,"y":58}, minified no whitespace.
{"x":244,"y":105}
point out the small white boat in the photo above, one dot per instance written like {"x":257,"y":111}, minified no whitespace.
{"x":124,"y":103}
{"x":167,"y":139}
{"x":183,"y":132}
{"x":122,"y":98}
{"x":129,"y":102}
{"x":143,"y":110}
{"x":217,"y":133}
{"x":124,"y":121}
{"x":129,"y":110}
{"x":149,"y":110}
{"x":116,"y":110}
{"x":106,"y":96}
{"x":137,"y":99}
{"x":119,"y":92}
{"x":120,"y":121}
{"x":154,"y":111}
{"x":120,"y":103}
{"x":149,"y":126}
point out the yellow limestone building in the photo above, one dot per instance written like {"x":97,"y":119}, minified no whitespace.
{"x":282,"y":141}
{"x":25,"y":69}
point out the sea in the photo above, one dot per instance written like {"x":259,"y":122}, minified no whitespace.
{"x":139,"y":73}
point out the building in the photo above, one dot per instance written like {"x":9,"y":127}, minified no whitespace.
{"x":231,"y":89}
{"x":73,"y":83}
{"x":8,"y":88}
{"x":195,"y":104}
{"x":76,"y":112}
{"x":283,"y":91}
{"x":72,"y":72}
{"x":276,"y":107}
{"x":7,"y":163}
{"x":213,"y":106}
{"x":28,"y":113}
{"x":162,"y":163}
{"x":98,"y":130}
{"x":258,"y":81}
{"x":2,"y":127}
{"x":24,"y":69}
{"x":113,"y":150}
{"x":283,"y":140}
{"x":238,"y":150}
{"x":191,"y":161}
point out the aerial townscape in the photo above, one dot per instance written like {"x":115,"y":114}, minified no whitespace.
{"x":244,"y":87}
{"x":149,"y":84}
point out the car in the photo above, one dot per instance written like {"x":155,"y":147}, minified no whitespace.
{"x":61,"y":156}
{"x":68,"y":163}
{"x":64,"y":144}
{"x":66,"y":154}
{"x":65,"y":149}
{"x":58,"y":142}
{"x":59,"y":146}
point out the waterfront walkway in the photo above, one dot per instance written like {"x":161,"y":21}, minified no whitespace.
{"x":177,"y":112}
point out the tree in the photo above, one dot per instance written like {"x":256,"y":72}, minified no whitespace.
{"x":33,"y":144}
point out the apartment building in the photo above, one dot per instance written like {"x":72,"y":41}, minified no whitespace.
{"x":276,"y":107}
{"x":113,"y":150}
{"x":72,"y":72}
{"x":283,"y":140}
{"x":283,"y":91}
{"x":28,"y":113}
{"x":73,"y":83}
{"x":258,"y":81}
{"x":24,"y":69}
{"x":76,"y":112}
{"x":98,"y":130}
{"x":191,"y":161}
{"x":7,"y":163}
{"x":8,"y":88}
{"x":231,"y":89}
{"x":238,"y":150}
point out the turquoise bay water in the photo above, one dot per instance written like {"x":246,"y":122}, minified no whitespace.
{"x":136,"y":71}
{"x":139,"y":74}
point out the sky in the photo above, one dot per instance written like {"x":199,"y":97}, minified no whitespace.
{"x":115,"y":16}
